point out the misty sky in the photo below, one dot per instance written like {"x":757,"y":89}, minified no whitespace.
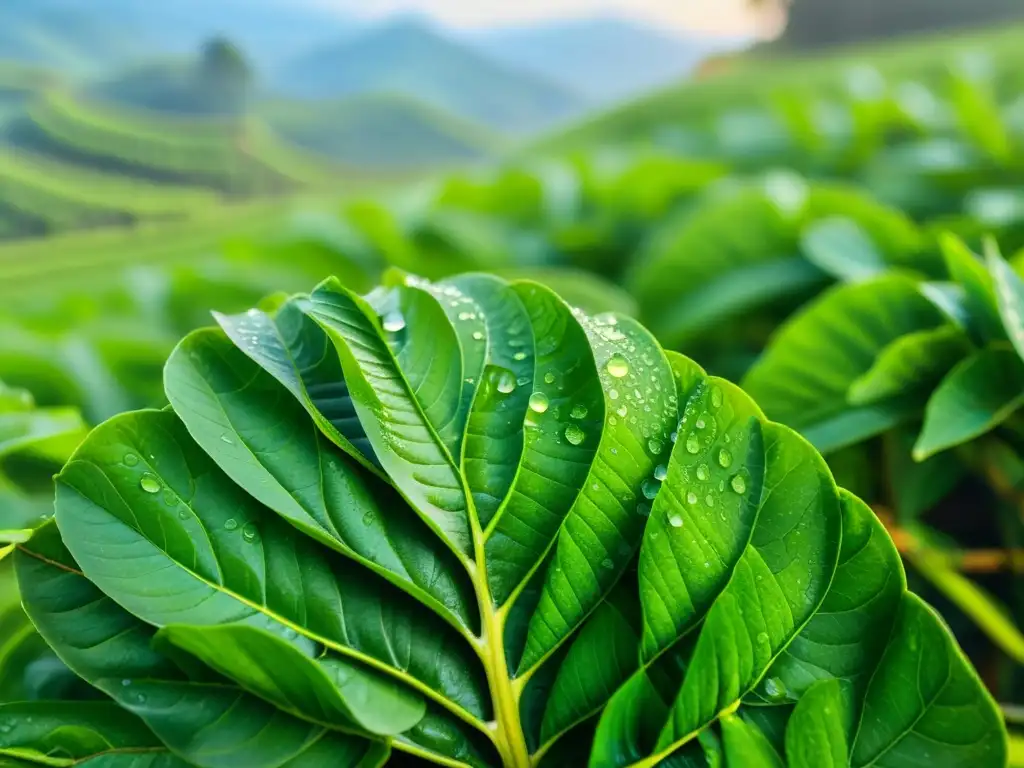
{"x":726,"y":16}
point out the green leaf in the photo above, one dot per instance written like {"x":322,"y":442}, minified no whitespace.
{"x":977,"y":396}
{"x":911,"y":362}
{"x":840,"y":248}
{"x":572,"y":548}
{"x":816,"y":734}
{"x":1009,"y":294}
{"x":967,"y":270}
{"x":200,"y":717}
{"x":71,"y":731}
{"x":746,"y":745}
{"x":805,"y":375}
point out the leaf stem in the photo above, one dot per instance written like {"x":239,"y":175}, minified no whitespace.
{"x":507,"y":727}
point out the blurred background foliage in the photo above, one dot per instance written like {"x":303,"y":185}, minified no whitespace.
{"x":800,"y":205}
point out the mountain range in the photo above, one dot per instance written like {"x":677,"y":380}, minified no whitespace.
{"x":458,"y":90}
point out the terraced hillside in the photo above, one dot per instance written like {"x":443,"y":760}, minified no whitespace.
{"x":66,"y":162}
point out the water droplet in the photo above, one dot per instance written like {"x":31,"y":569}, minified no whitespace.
{"x":5,"y":727}
{"x":700,"y":424}
{"x":691,"y":498}
{"x":538,"y":402}
{"x":183,"y":514}
{"x":709,"y":500}
{"x":250,"y":532}
{"x":613,"y":394}
{"x":506,"y":382}
{"x":724,"y":458}
{"x":607,"y":564}
{"x":467,"y":316}
{"x":622,"y":411}
{"x":702,"y":472}
{"x":549,"y":378}
{"x":612,"y":421}
{"x":762,"y":638}
{"x":230,"y":524}
{"x":393,"y":322}
{"x":673,"y":437}
{"x":149,"y":483}
{"x":141,"y":698}
{"x":650,"y":487}
{"x":692,"y":444}
{"x":738,"y":484}
{"x":574,"y":434}
{"x":716,"y":397}
{"x":478,"y":335}
{"x":579,"y":411}
{"x":655,"y":446}
{"x":130,"y":459}
{"x":226,"y":440}
{"x":519,"y":356}
{"x":660,"y":472}
{"x":617,"y":366}
{"x":676,"y":521}
{"x":774,"y":689}
{"x":522,"y":381}
{"x":126,"y":682}
{"x":169,"y":498}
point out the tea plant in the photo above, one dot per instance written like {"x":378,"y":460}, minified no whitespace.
{"x":466,"y":523}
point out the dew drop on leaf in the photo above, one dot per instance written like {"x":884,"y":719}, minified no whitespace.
{"x":612,"y":421}
{"x":230,"y":524}
{"x":702,"y":472}
{"x":622,"y":411}
{"x":549,"y":378}
{"x":692,"y":444}
{"x":478,"y":335}
{"x":617,"y":366}
{"x":709,"y":500}
{"x":130,"y":459}
{"x":519,"y":356}
{"x":676,"y":521}
{"x":126,"y":682}
{"x":607,"y":564}
{"x":774,"y":689}
{"x":149,"y":483}
{"x":226,"y":440}
{"x":538,"y":402}
{"x":738,"y":484}
{"x":650,"y":488}
{"x":249,"y":532}
{"x":655,"y":446}
{"x":660,"y":472}
{"x":574,"y":434}
{"x":506,"y":381}
{"x":762,"y":638}
{"x":691,"y":498}
{"x":393,"y":322}
{"x":579,"y":411}
{"x":700,"y":424}
{"x":716,"y":397}
{"x":169,"y":498}
{"x":613,"y":394}
{"x":725,"y":458}
{"x":183,"y":514}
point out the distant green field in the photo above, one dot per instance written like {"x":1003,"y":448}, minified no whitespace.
{"x":381,"y":131}
{"x":759,"y":77}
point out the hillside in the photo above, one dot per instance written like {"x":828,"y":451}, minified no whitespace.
{"x":578,"y":55}
{"x":755,"y":78}
{"x":410,"y":58}
{"x":381,"y":131}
